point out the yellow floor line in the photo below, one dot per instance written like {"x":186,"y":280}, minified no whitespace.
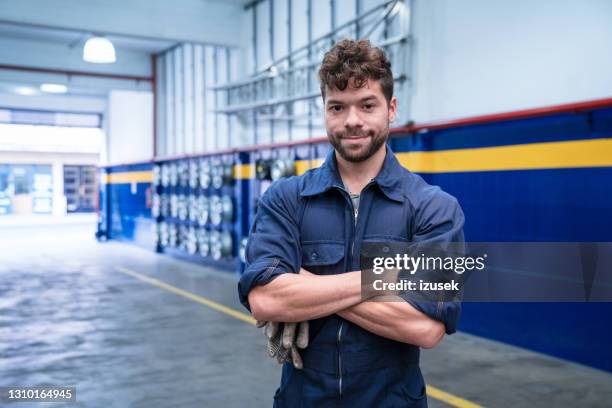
{"x":192,"y":296}
{"x":433,"y":392}
{"x":450,"y":399}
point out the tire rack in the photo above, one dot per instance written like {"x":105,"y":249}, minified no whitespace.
{"x":198,"y":208}
{"x":183,"y":189}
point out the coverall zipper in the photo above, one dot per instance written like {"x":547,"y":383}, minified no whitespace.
{"x":356,"y":213}
{"x":340,"y":359}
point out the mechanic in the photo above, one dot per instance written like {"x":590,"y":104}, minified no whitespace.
{"x":303,"y":252}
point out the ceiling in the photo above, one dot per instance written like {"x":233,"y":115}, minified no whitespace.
{"x":53,"y":40}
{"x":71,"y":38}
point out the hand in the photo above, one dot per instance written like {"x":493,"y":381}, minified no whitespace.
{"x":283,"y":343}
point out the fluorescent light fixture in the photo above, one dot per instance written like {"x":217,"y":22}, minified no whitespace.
{"x":54,"y":88}
{"x":99,"y":50}
{"x":25,"y":90}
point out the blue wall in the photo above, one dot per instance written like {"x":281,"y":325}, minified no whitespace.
{"x":557,"y":204}
{"x":545,"y":205}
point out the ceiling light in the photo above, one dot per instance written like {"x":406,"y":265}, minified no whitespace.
{"x":54,"y":88}
{"x":99,"y":50}
{"x":25,"y":90}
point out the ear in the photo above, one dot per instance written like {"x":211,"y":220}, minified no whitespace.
{"x":392,"y":109}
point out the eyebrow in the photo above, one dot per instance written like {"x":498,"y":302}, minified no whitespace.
{"x":369,"y":98}
{"x":362,"y":100}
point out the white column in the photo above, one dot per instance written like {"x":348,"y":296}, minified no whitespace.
{"x":59,"y":200}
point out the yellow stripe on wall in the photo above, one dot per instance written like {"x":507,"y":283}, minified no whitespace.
{"x":244,"y":171}
{"x":302,"y":166}
{"x":550,"y":155}
{"x":530,"y":156}
{"x":128,"y":177}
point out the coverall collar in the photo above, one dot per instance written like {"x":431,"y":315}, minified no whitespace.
{"x":389,"y":179}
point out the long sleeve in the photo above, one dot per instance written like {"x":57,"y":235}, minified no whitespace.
{"x":439,"y":221}
{"x":273,"y":246}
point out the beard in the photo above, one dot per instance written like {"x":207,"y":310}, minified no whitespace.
{"x":362,"y":151}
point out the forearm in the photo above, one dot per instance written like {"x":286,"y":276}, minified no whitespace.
{"x":299,"y":297}
{"x":396,"y":320}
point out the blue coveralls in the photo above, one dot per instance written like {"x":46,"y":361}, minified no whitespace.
{"x":309,"y":221}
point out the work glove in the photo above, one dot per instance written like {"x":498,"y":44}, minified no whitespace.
{"x":283,"y":342}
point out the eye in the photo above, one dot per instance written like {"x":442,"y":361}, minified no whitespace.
{"x":368,"y":106}
{"x":335,"y":108}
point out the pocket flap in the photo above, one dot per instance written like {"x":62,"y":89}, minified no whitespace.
{"x":322,"y":253}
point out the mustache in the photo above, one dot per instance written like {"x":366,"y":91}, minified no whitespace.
{"x":354,"y":133}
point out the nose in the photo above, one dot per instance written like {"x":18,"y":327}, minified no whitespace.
{"x":352,"y":119}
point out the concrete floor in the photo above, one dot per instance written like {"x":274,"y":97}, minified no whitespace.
{"x":71,"y":316}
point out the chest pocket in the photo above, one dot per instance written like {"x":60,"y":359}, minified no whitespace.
{"x":324,"y":218}
{"x":388,"y":221}
{"x":323,"y":257}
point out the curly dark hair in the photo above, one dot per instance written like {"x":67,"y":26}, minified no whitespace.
{"x":355,"y":61}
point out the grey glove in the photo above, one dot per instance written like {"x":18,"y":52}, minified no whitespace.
{"x":283,"y":343}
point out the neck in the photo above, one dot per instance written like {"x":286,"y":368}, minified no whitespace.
{"x":355,"y":175}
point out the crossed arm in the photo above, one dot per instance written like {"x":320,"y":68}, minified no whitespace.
{"x":305,"y":296}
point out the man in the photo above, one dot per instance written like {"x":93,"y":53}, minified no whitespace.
{"x":303,"y":252}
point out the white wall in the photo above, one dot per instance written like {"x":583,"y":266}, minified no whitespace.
{"x":477,"y":57}
{"x":129,"y":126}
{"x":470,"y":57}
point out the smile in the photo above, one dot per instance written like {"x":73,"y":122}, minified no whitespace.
{"x":354,"y":137}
